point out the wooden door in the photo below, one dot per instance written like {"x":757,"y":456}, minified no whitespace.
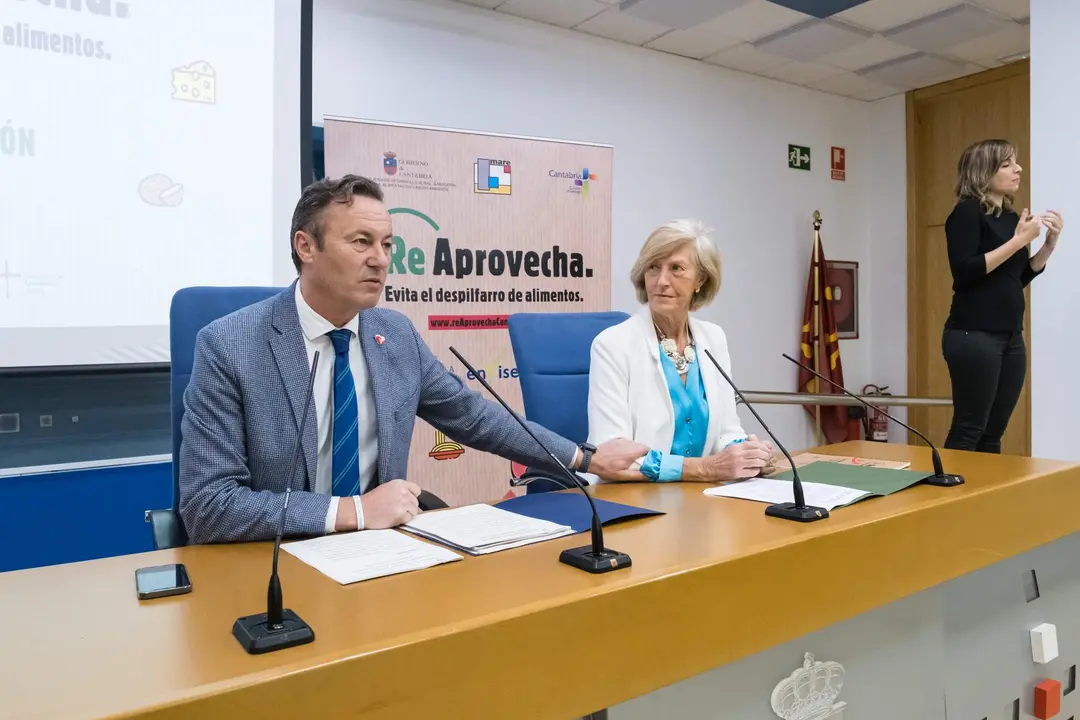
{"x":942,"y":121}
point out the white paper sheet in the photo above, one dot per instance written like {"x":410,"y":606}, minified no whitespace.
{"x":481,"y":529}
{"x":769,"y":491}
{"x":358,"y":556}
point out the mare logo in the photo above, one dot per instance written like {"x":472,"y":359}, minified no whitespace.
{"x":491,"y":177}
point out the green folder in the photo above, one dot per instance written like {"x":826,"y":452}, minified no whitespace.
{"x":877,"y":481}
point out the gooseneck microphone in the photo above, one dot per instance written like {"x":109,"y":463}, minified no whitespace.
{"x":278,"y":628}
{"x":940,"y":478}
{"x":798,"y":510}
{"x":594,"y":558}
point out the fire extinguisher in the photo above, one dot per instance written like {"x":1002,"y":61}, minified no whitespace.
{"x":875,"y":423}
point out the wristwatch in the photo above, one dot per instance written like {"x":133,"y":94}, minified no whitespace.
{"x":587,"y":451}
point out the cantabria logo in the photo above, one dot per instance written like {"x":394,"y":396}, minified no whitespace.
{"x":580,"y":180}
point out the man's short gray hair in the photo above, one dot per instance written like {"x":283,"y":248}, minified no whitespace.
{"x":668,"y":238}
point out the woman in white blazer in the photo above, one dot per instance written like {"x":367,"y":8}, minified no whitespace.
{"x":649,"y":378}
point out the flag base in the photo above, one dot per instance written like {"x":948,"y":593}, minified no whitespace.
{"x":791,"y":511}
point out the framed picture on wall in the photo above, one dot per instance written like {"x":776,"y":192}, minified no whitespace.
{"x":844,"y":280}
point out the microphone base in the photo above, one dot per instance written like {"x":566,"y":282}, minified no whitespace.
{"x":583,"y":558}
{"x":789,"y":511}
{"x":944,"y":480}
{"x":257,"y":637}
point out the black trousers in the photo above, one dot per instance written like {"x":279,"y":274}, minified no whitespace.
{"x":987,"y":370}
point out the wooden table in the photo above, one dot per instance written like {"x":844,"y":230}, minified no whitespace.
{"x":515,"y":634}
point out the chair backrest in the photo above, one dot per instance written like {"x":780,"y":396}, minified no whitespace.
{"x":552,"y":352}
{"x":193,"y":309}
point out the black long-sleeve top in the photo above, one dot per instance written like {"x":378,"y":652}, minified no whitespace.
{"x":981,"y":301}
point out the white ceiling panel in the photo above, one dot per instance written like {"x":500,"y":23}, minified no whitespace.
{"x":990,"y":49}
{"x":801,"y":73}
{"x":616,"y":25}
{"x":1015,"y":9}
{"x":756,"y":19}
{"x":873,"y":50}
{"x":564,"y":13}
{"x":489,"y":4}
{"x":869,"y":52}
{"x":881,"y":15}
{"x":943,"y":30}
{"x":917,"y":70}
{"x":852,"y":85}
{"x":747,"y":58}
{"x":680,"y":14}
{"x":693,"y":43}
{"x":811,"y":40}
{"x":700,"y":41}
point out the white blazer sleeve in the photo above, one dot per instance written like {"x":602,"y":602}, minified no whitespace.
{"x":609,"y":394}
{"x":730,"y":427}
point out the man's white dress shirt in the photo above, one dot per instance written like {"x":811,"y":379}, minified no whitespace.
{"x":315,"y":328}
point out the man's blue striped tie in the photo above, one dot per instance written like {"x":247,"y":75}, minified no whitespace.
{"x":346,"y":437}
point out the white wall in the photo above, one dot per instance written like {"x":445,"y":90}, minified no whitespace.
{"x":690,"y":140}
{"x":1055,"y":302}
{"x":887,"y":281}
{"x":286,"y":132}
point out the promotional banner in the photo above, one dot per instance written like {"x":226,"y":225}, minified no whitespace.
{"x":485,"y":226}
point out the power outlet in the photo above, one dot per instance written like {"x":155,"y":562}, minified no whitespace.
{"x":9,"y":422}
{"x":45,"y":421}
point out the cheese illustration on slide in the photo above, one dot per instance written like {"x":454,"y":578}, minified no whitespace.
{"x":196,"y":82}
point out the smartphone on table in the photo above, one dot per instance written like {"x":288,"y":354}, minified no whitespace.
{"x":162,"y":581}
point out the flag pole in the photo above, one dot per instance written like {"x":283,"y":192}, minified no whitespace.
{"x":817,"y":322}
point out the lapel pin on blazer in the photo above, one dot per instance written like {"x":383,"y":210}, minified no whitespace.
{"x":379,"y":340}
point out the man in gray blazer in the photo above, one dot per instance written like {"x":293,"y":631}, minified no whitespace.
{"x":244,"y":402}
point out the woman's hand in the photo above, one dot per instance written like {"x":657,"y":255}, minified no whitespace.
{"x":1053,"y":223}
{"x":1028,"y":228}
{"x":739,"y":461}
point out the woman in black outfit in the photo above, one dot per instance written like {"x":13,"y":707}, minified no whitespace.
{"x":983,"y":341}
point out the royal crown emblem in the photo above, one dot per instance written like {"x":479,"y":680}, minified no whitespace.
{"x":810,"y":692}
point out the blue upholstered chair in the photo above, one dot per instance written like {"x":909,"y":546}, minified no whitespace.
{"x":192,"y":309}
{"x":552,"y":354}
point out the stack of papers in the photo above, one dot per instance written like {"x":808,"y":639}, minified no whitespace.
{"x":825,"y":484}
{"x":769,"y":491}
{"x":482,"y":529}
{"x":353,"y":557}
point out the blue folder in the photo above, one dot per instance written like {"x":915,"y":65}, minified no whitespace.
{"x":572,"y":509}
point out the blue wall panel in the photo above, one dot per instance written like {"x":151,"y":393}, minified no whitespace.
{"x":79,"y":515}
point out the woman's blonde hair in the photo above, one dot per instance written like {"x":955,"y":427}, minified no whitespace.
{"x":668,"y":238}
{"x":977,"y":167}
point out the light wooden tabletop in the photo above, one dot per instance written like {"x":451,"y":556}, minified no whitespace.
{"x":513,"y":634}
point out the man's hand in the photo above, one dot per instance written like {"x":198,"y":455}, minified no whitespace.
{"x":614,"y":457}
{"x":390,"y":505}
